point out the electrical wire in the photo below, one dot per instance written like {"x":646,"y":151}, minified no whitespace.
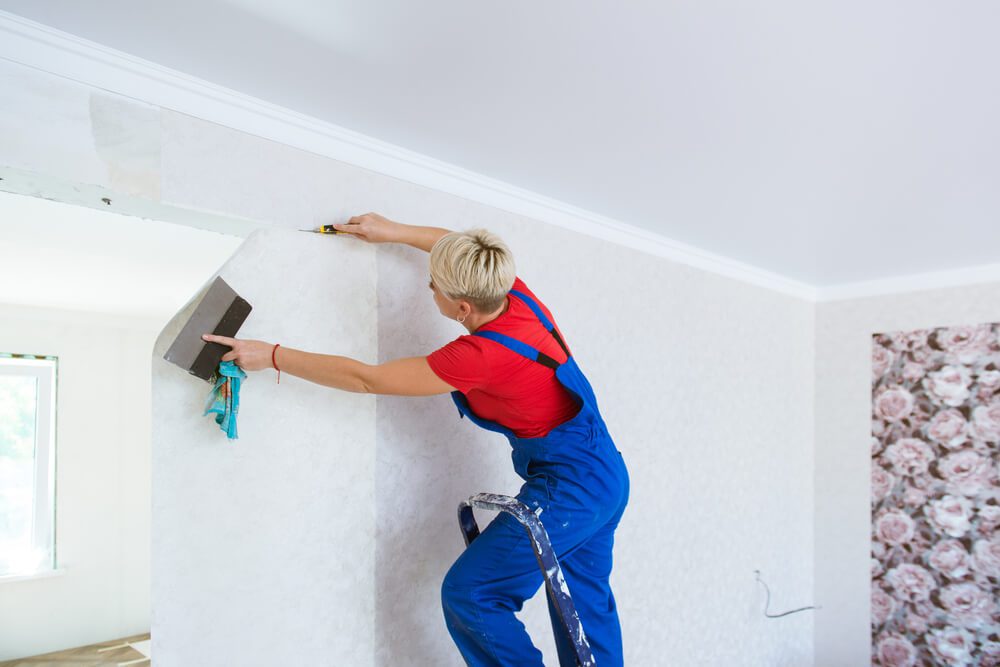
{"x":768,"y":603}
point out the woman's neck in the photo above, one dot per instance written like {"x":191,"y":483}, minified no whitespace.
{"x":473,"y":322}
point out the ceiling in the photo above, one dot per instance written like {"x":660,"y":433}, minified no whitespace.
{"x":828,"y":142}
{"x":58,"y":255}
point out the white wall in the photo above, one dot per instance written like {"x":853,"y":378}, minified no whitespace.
{"x":102,"y":480}
{"x":843,"y":448}
{"x":706,"y":382}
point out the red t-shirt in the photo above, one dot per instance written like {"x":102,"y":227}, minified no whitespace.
{"x":501,"y":385}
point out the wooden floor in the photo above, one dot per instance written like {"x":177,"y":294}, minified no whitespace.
{"x":86,"y":656}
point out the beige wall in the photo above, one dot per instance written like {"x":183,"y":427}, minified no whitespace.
{"x":102,"y":481}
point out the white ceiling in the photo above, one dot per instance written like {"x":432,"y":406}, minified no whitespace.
{"x":58,"y":255}
{"x":829,"y":142}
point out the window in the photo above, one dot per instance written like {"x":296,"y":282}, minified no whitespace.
{"x":27,"y":463}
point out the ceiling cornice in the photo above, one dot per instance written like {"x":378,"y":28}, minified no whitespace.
{"x":975,"y":275}
{"x":62,"y":54}
{"x":38,"y":46}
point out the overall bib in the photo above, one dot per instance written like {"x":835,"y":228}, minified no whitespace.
{"x":577,"y":483}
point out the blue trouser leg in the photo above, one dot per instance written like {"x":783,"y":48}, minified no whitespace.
{"x":499,"y":571}
{"x":587,"y":570}
{"x":482,"y":590}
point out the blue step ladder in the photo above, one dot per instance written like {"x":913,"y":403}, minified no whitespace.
{"x":555,"y":584}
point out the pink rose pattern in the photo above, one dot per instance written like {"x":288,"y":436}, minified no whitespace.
{"x":935,"y":497}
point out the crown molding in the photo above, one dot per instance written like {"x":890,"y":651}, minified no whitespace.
{"x":976,"y":275}
{"x":61,"y":54}
{"x":38,"y":46}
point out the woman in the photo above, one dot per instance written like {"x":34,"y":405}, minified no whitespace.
{"x":513,"y":375}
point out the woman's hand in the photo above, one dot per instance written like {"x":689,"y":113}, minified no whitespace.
{"x":250,"y":355}
{"x":374,"y":228}
{"x":371,"y":227}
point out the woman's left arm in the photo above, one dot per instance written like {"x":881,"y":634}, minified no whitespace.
{"x":402,"y":377}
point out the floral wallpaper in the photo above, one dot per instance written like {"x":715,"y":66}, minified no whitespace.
{"x":936,"y":497}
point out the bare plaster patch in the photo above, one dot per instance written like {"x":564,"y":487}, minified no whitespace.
{"x":127,"y":138}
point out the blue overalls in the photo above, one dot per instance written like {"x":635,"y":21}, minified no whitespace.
{"x":576,"y":480}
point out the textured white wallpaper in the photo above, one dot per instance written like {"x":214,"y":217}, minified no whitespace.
{"x":706,"y":385}
{"x":261,"y":546}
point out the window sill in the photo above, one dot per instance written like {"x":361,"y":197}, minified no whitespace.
{"x":44,"y":574}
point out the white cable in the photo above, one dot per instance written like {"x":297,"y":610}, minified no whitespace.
{"x":766,"y":604}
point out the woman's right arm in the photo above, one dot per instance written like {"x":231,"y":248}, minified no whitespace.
{"x":375,"y":228}
{"x":412,"y":376}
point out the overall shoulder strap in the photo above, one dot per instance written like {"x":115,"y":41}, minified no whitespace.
{"x":540,"y":314}
{"x":523,"y":349}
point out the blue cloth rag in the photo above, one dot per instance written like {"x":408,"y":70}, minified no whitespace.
{"x":224,"y":400}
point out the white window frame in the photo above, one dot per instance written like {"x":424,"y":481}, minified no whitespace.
{"x":44,"y":370}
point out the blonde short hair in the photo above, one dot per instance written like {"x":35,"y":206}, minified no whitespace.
{"x":474,"y":265}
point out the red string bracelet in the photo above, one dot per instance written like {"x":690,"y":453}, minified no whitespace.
{"x":274,"y":363}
